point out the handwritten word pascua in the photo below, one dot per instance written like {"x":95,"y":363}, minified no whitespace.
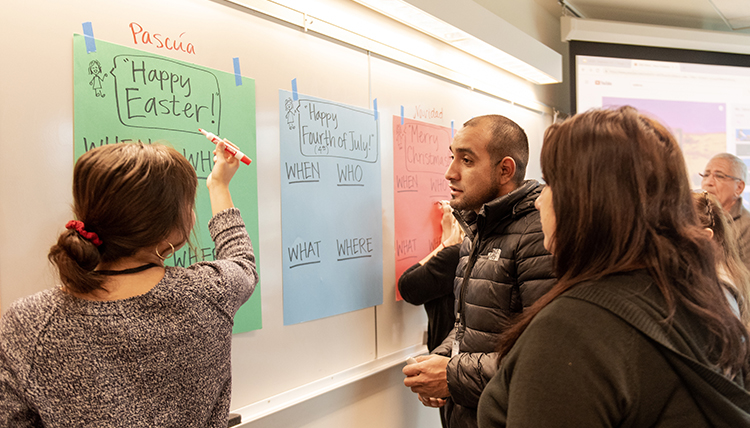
{"x":158,"y":40}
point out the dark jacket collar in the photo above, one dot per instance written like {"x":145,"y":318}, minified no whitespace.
{"x":737,"y":208}
{"x":514,"y":204}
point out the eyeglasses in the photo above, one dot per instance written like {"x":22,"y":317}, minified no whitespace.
{"x":718,"y":176}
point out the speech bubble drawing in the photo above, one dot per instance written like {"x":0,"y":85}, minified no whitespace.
{"x":424,"y":146}
{"x":158,"y":93}
{"x":332,"y":130}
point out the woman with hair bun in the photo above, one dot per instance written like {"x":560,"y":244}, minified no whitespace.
{"x":126,"y":341}
{"x":637,"y":331}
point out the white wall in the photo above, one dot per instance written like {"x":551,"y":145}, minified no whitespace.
{"x":36,"y":110}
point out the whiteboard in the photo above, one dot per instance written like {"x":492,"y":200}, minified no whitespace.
{"x":36,"y":110}
{"x":424,"y":98}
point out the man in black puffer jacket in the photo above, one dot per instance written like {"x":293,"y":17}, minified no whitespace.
{"x":504,"y":254}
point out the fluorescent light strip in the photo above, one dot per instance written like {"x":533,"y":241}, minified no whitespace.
{"x":734,"y":13}
{"x":428,"y":24}
{"x":457,"y":66}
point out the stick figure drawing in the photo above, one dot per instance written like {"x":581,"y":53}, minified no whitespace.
{"x":95,"y":68}
{"x":291,"y":112}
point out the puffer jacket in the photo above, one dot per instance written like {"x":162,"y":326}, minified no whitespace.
{"x":510,"y":270}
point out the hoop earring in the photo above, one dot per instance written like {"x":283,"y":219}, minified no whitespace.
{"x":156,"y":250}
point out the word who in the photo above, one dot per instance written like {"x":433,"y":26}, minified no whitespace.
{"x":439,"y":185}
{"x":349,"y":175}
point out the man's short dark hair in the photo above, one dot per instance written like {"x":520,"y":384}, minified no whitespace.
{"x":508,"y":139}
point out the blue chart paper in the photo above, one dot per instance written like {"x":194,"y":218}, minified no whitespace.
{"x":331,"y":213}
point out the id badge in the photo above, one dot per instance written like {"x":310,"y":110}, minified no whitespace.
{"x":454,"y":350}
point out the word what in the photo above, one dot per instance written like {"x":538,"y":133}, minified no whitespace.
{"x":304,"y":253}
{"x":406,"y":246}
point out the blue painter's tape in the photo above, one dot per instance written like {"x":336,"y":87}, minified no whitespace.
{"x":375,"y":106}
{"x":452,"y":129}
{"x":237,"y":74}
{"x":88,"y":35}
{"x":402,"y":115}
{"x":295,"y":97}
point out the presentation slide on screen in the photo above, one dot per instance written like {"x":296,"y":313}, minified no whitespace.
{"x":707,"y":107}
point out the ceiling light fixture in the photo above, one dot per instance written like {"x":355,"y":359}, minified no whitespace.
{"x":467,"y":26}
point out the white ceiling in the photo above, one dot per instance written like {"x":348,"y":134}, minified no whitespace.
{"x":700,"y":14}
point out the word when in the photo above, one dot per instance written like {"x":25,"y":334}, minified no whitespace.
{"x":155,"y":39}
{"x":357,"y":247}
{"x":407,"y":182}
{"x":406,"y":246}
{"x":88,"y":145}
{"x":202,"y":161}
{"x":349,"y":173}
{"x":302,"y":172}
{"x":185,"y":258}
{"x":325,"y":118}
{"x":420,"y":113}
{"x":304,"y":251}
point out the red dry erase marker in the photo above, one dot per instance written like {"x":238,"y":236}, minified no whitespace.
{"x":228,"y":147}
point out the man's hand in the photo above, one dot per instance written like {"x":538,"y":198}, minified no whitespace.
{"x":427,"y":377}
{"x":431,"y":402}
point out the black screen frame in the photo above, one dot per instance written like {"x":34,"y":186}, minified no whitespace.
{"x":613,"y":50}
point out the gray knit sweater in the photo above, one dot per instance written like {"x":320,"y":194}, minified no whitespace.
{"x":161,"y":359}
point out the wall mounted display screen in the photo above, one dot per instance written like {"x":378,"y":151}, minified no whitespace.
{"x":703,"y":97}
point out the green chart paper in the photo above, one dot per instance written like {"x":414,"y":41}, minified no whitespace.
{"x":124,"y":95}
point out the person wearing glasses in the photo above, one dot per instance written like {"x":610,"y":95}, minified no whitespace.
{"x":724,"y":177}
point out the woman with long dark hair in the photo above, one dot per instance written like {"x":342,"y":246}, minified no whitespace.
{"x":637,"y":332}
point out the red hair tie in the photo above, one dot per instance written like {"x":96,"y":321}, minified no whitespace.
{"x":89,"y":236}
